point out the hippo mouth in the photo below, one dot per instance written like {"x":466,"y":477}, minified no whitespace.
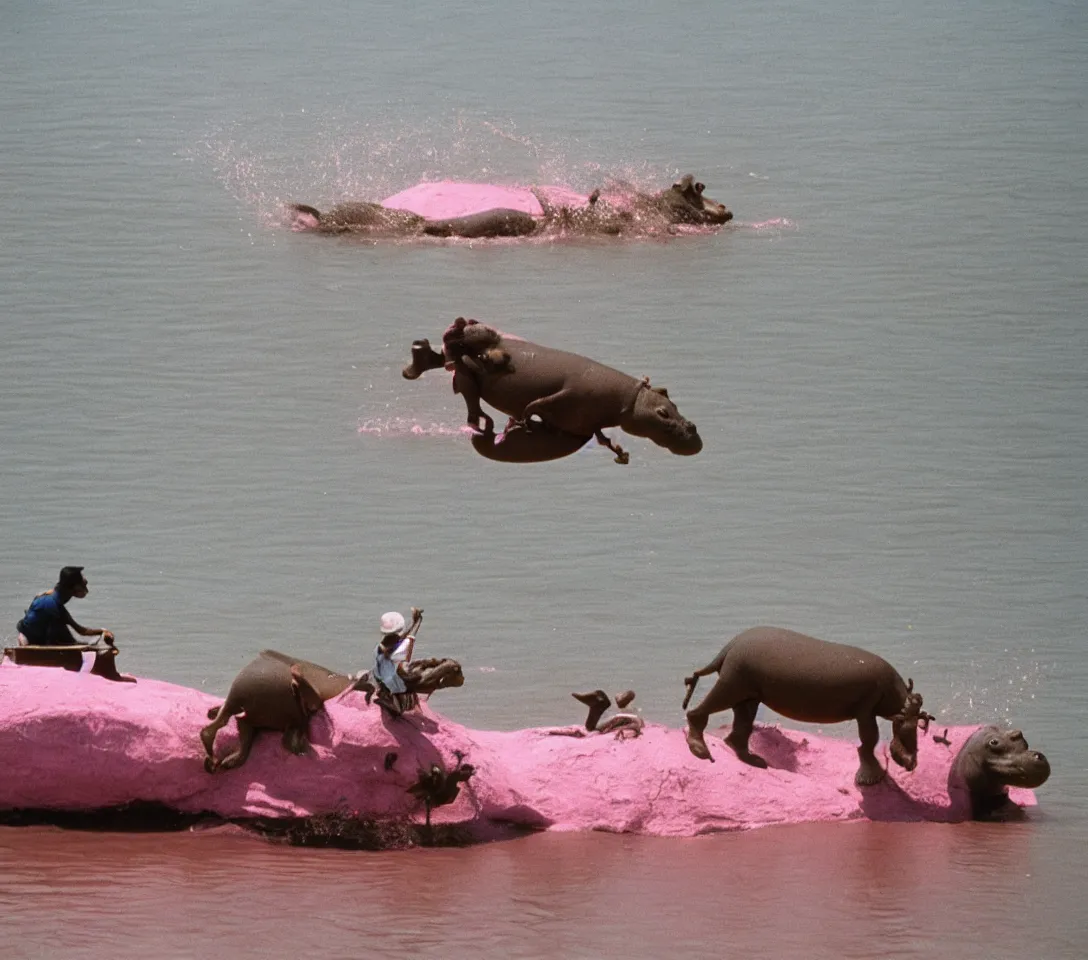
{"x":685,"y":446}
{"x":682,"y":439}
{"x":718,"y":215}
{"x":1030,"y":770}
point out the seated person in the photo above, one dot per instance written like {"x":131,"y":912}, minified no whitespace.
{"x":395,"y":648}
{"x":47,"y":620}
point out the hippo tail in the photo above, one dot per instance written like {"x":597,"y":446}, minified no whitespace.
{"x":304,"y":217}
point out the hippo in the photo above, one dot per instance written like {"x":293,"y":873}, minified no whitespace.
{"x":412,"y":213}
{"x":280,"y":692}
{"x":568,"y":393}
{"x":813,"y":681}
{"x":989,"y":762}
{"x":272,"y":692}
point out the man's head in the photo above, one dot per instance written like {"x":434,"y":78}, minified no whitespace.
{"x":72,"y":582}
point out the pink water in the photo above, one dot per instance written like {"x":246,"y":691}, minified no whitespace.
{"x":819,"y":891}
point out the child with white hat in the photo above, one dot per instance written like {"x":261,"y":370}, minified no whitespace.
{"x":395,"y":648}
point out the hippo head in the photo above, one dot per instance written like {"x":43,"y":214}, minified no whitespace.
{"x":654,"y":416}
{"x":684,"y":203}
{"x":1005,"y":757}
{"x":904,"y":745}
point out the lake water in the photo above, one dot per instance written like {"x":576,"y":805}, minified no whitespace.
{"x":885,"y":354}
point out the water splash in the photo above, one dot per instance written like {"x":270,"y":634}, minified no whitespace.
{"x":994,"y":697}
{"x":775,"y":223}
{"x":410,"y":427}
{"x":324,"y":158}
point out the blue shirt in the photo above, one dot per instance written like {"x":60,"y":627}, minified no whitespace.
{"x":44,"y":610}
{"x":385,"y":668}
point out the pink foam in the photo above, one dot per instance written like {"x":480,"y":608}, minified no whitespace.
{"x":407,"y":427}
{"x":776,"y":223}
{"x":80,"y":742}
{"x":449,"y":198}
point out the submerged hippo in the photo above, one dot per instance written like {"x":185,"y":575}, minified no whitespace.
{"x":813,"y":681}
{"x":573,"y":397}
{"x":991,"y":761}
{"x":413,"y":213}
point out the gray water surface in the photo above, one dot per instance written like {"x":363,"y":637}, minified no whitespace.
{"x":885,"y":353}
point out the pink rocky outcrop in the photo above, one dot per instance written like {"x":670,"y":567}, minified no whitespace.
{"x":71,"y":742}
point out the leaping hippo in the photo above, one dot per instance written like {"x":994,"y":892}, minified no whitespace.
{"x":573,"y":397}
{"x":991,"y":761}
{"x":423,"y":211}
{"x":813,"y":681}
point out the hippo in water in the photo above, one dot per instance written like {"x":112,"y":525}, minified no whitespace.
{"x":991,"y":761}
{"x":413,"y":212}
{"x":572,"y":397}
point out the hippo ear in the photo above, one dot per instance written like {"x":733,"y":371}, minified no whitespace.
{"x":699,"y":188}
{"x":661,"y":390}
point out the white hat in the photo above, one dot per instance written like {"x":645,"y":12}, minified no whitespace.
{"x":392,"y":622}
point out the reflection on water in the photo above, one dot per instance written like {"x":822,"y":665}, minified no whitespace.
{"x":923,"y":889}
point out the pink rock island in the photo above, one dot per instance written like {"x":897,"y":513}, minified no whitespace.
{"x":82,"y":743}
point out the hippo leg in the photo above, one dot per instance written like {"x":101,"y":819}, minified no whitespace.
{"x":295,"y":740}
{"x":744,"y":718}
{"x":424,"y":358}
{"x":220,"y":717}
{"x":467,"y":385}
{"x":247,"y":733}
{"x":729,"y":693}
{"x":622,"y":456}
{"x":870,"y":771}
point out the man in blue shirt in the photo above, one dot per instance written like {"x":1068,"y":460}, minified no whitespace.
{"x":47,"y":620}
